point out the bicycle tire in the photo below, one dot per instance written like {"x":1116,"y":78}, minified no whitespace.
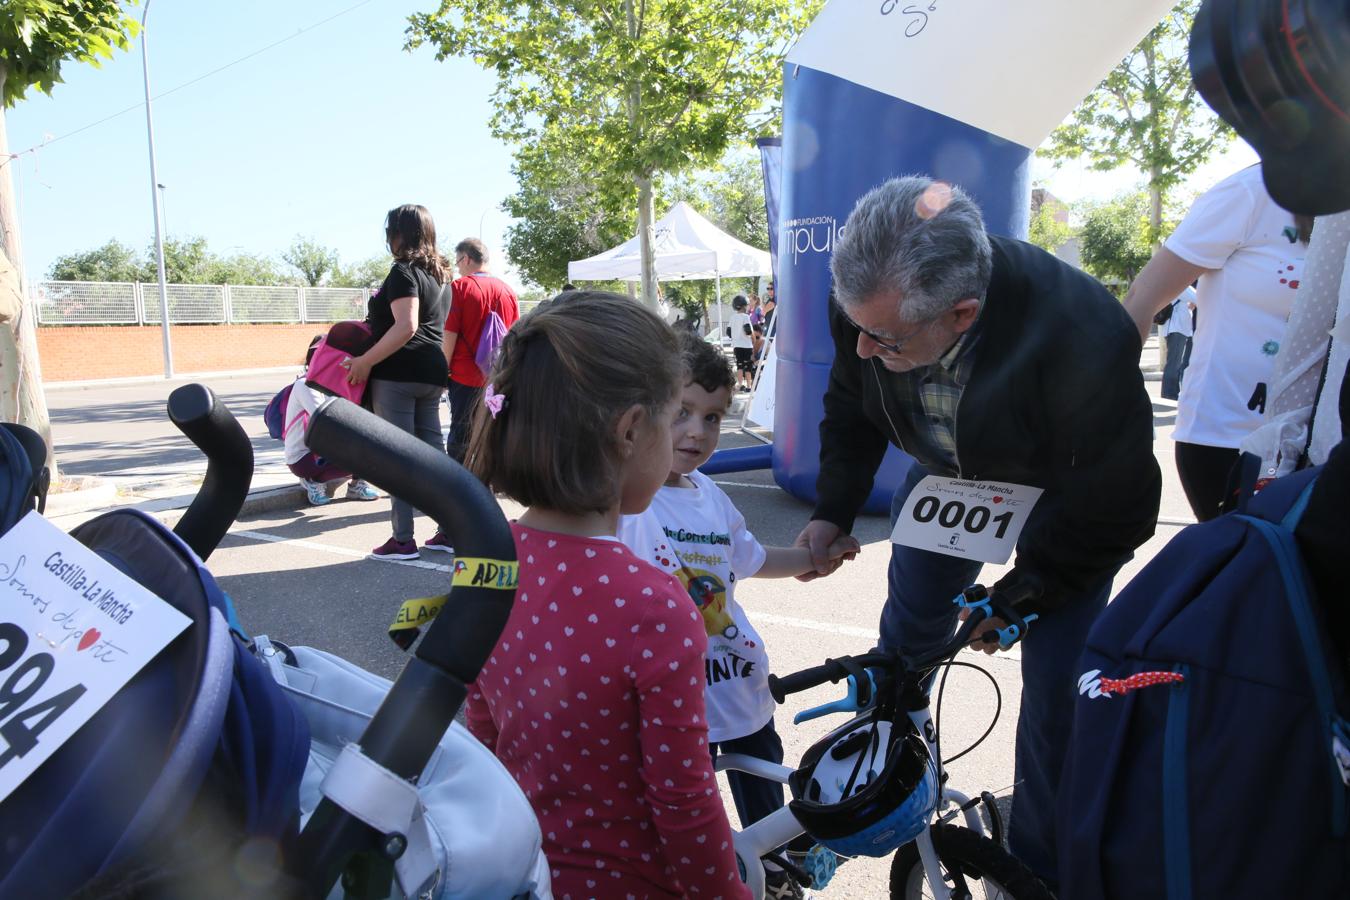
{"x":974,"y":857}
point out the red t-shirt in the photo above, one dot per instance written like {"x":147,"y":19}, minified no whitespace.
{"x":593,"y":700}
{"x":470,"y":299}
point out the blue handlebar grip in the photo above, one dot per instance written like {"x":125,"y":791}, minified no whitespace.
{"x":849,"y":703}
{"x":974,"y":599}
{"x":1012,"y":634}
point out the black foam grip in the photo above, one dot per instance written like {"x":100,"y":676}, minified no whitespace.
{"x":208,"y":423}
{"x":461,"y":638}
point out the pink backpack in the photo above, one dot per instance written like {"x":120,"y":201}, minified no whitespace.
{"x":326,"y":372}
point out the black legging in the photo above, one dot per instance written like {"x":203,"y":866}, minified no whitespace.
{"x":1204,"y":475}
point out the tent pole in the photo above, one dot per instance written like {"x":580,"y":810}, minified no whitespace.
{"x":720,"y":331}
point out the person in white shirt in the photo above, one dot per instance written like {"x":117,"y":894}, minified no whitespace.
{"x":1176,"y":335}
{"x":693,"y":531}
{"x":317,"y":475}
{"x":1248,"y":255}
{"x":742,"y":342}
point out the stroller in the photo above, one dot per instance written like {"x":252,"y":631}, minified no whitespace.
{"x":232,"y":766}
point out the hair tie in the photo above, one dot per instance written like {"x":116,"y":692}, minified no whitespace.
{"x":494,"y":401}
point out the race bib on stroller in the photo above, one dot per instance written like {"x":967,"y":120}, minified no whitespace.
{"x":73,"y":631}
{"x":974,"y":519}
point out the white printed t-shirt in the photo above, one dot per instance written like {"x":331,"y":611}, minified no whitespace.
{"x":698,"y":536}
{"x":1241,"y":308}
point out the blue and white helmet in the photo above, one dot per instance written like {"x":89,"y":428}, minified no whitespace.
{"x":866,"y":789}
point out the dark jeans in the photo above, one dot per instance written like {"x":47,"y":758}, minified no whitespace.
{"x":463,"y":401}
{"x":1178,"y":358}
{"x":1204,"y":473}
{"x":919,"y":616}
{"x":757,"y":797}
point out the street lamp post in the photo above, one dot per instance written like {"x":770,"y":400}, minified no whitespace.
{"x":154,"y":199}
{"x":163,"y":207}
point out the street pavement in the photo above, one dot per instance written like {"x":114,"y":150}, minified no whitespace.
{"x":301,"y":575}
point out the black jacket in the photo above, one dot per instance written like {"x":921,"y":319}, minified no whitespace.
{"x":1055,"y":400}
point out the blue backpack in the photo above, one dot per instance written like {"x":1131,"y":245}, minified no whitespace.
{"x":1209,"y":749}
{"x":199,"y":753}
{"x":275,"y":414}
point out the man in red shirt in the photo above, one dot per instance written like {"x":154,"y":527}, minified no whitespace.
{"x":473,"y":296}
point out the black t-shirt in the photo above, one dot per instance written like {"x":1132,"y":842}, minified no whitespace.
{"x":421,"y":360}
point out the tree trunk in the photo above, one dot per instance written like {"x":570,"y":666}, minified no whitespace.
{"x":21,"y":397}
{"x":1154,"y":209}
{"x":646,"y":238}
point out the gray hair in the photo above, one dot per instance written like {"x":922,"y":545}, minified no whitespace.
{"x":920,"y":237}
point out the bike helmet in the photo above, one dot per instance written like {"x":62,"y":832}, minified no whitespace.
{"x":865,"y":789}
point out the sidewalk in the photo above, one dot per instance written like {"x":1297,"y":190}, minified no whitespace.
{"x":115,"y":439}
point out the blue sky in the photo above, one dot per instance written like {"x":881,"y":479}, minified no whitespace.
{"x":319,"y":136}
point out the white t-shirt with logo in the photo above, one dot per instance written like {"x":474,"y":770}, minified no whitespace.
{"x":1241,"y":308}
{"x":697,"y":535}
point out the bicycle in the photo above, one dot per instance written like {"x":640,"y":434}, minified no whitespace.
{"x":945,"y":858}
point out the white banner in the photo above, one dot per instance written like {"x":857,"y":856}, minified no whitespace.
{"x":1014,"y":69}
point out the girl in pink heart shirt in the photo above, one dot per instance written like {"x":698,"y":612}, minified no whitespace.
{"x":593,"y":697}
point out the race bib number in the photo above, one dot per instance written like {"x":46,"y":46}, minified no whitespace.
{"x":73,"y":631}
{"x":973,"y":519}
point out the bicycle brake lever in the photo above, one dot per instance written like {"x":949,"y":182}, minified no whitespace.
{"x":849,"y":703}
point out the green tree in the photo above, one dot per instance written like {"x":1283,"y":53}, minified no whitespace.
{"x":560,"y":215}
{"x":243,"y":268}
{"x":636,"y":88}
{"x":1146,"y":113}
{"x":731,"y":195}
{"x":362,"y":274}
{"x":1114,"y":240}
{"x":187,"y":260}
{"x":37,"y":37}
{"x":1049,"y":229}
{"x":114,"y":261}
{"x":311,"y":259}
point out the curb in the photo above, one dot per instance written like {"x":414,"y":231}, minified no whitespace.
{"x":178,"y":378}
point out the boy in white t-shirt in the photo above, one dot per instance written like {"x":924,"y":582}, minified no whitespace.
{"x":693,"y":531}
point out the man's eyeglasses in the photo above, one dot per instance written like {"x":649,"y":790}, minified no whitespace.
{"x":885,"y":344}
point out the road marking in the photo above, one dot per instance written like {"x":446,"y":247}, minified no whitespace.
{"x":337,"y":551}
{"x":1171,"y":520}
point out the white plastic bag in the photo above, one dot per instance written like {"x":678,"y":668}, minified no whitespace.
{"x":483,"y":833}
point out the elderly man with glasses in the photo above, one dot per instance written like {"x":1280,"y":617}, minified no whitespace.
{"x":1012,"y":378}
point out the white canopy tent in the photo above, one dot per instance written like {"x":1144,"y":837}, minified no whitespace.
{"x":686,"y":247}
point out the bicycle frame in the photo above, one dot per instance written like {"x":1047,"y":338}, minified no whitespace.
{"x":772,"y":832}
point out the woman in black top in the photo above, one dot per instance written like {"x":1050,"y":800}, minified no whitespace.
{"x":406,"y":367}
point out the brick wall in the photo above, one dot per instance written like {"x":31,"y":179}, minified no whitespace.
{"x":77,"y":353}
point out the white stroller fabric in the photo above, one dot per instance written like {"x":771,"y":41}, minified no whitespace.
{"x":483,"y":834}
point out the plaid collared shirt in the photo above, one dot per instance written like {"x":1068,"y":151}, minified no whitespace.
{"x":927,"y":400}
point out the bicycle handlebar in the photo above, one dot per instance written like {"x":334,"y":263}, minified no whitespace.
{"x":207,"y":422}
{"x":429,"y":692}
{"x":978,"y":600}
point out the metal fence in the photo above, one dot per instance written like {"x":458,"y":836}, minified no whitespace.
{"x":118,"y":303}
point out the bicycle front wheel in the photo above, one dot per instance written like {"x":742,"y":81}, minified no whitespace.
{"x":972,"y":865}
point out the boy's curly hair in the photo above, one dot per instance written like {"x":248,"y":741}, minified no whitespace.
{"x":704,"y":364}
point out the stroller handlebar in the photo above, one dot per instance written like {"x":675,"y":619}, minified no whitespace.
{"x":433,"y":685}
{"x":205,"y":421}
